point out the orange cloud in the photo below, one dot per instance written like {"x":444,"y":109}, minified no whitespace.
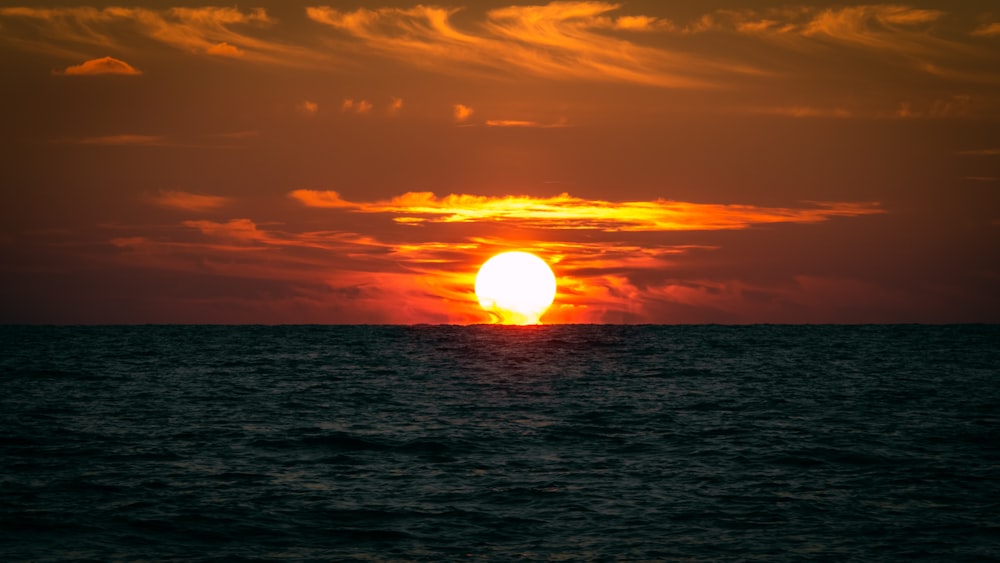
{"x":320,"y":198}
{"x":643,"y":23}
{"x":225,"y":50}
{"x":568,"y":212}
{"x":106,"y":65}
{"x":562,"y":40}
{"x":308,"y":108}
{"x":394,"y":281}
{"x":874,"y":26}
{"x":987,"y":30}
{"x":186,"y":201}
{"x":523,"y":123}
{"x":511,"y":123}
{"x":912,"y":36}
{"x":882,"y":27}
{"x":237,"y":229}
{"x":210,"y":30}
{"x":805,"y":111}
{"x":362,"y":107}
{"x":462,"y":112}
{"x":125,"y":139}
{"x":394,"y":278}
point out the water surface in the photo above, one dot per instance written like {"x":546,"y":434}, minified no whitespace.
{"x":497,"y":443}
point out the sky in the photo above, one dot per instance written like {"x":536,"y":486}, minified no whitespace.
{"x":691,"y":161}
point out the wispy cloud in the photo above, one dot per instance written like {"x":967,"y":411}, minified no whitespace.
{"x":212,"y":31}
{"x":105,"y":65}
{"x":981,"y":152}
{"x":186,"y":201}
{"x":987,"y":30}
{"x":561,"y":40}
{"x":123,"y":139}
{"x":805,"y":111}
{"x":225,"y":50}
{"x":320,"y":198}
{"x":214,"y":142}
{"x":568,"y":212}
{"x":394,"y":280}
{"x":405,"y":275}
{"x":883,"y":27}
{"x":874,"y":26}
{"x":911,"y":35}
{"x":524,"y":123}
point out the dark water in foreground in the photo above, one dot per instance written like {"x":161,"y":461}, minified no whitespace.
{"x":495,"y":443}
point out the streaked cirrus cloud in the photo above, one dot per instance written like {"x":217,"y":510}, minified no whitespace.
{"x":567,"y":212}
{"x":558,"y":40}
{"x":214,"y":31}
{"x":911,"y":34}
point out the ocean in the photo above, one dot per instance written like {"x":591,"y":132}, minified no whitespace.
{"x":497,"y":443}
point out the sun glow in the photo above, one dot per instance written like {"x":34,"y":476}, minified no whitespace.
{"x":515,"y":287}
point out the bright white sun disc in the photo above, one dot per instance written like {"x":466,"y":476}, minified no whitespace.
{"x":517,"y":287}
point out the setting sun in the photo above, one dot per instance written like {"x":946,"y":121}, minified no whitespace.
{"x":515,"y":287}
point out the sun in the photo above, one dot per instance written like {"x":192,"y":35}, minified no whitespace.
{"x":516,"y":287}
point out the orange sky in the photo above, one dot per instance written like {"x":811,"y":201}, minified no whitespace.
{"x":355,"y":162}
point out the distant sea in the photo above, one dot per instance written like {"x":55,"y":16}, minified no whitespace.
{"x":494,"y":443}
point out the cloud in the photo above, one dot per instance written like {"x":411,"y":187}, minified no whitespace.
{"x":462,"y":112}
{"x":225,"y":50}
{"x":187,"y":201}
{"x":320,"y":198}
{"x":805,"y":111}
{"x":884,"y":34}
{"x":390,"y":280}
{"x":525,"y":123}
{"x":214,"y":31}
{"x":124,"y":139}
{"x":137,"y":140}
{"x":901,"y":30}
{"x":105,"y":65}
{"x":308,"y":108}
{"x":236,"y":229}
{"x":987,"y":30}
{"x":395,"y":105}
{"x":870,"y":25}
{"x":643,"y":23}
{"x":559,"y":40}
{"x":511,"y":123}
{"x":605,"y":274}
{"x":361,"y":107}
{"x":568,"y":212}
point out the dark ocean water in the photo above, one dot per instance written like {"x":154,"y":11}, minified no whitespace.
{"x":860,"y":443}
